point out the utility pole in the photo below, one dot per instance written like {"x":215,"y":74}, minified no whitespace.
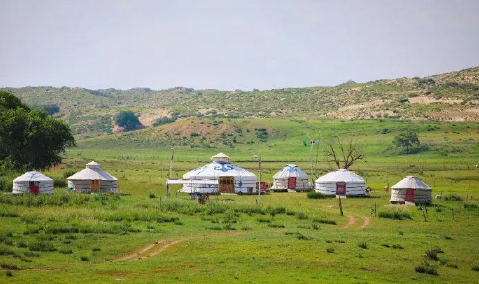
{"x":169,"y":172}
{"x":259,"y":183}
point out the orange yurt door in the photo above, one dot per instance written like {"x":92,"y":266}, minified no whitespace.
{"x":95,"y":185}
{"x":226,"y":184}
{"x":292,"y":182}
{"x":340,"y":188}
{"x":410,"y":195}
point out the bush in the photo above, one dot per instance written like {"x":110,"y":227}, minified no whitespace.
{"x":68,"y":173}
{"x":128,"y":120}
{"x":324,"y":221}
{"x":426,"y":268}
{"x":452,"y":197}
{"x":315,"y":195}
{"x":276,"y":225}
{"x":9,"y":266}
{"x":59,"y":182}
{"x":330,"y":250}
{"x":66,"y":251}
{"x":84,"y":258}
{"x":432,"y":254}
{"x":363,"y":245}
{"x":302,"y":216}
{"x":470,"y":206}
{"x":398,"y":247}
{"x":41,"y":246}
{"x":475,"y":268}
{"x":395,"y":215}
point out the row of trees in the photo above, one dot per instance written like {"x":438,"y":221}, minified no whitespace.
{"x":30,"y":139}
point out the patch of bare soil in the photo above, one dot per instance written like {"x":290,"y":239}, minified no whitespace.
{"x":147,"y":119}
{"x":351,"y":221}
{"x":366,"y":222}
{"x":429,"y":100}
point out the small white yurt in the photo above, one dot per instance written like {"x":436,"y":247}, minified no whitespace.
{"x":219,"y":176}
{"x":92,"y":179}
{"x":290,"y":177}
{"x":32,"y":182}
{"x":341,"y":182}
{"x":411,"y":189}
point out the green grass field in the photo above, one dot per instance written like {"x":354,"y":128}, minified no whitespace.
{"x":71,"y":238}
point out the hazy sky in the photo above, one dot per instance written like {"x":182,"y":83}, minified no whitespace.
{"x":229,"y":44}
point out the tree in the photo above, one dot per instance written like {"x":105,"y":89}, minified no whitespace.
{"x":30,"y":139}
{"x":343,"y":156}
{"x":406,"y":140}
{"x":128,"y":120}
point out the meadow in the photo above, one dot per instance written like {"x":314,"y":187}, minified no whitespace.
{"x":143,"y":236}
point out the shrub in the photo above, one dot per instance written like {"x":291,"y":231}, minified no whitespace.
{"x":302,"y":216}
{"x":31,"y":254}
{"x":452,"y":197}
{"x":302,"y":237}
{"x":395,"y":215}
{"x":470,"y":206}
{"x":246,"y":228}
{"x":84,"y":258}
{"x":448,"y":238}
{"x":324,"y":221}
{"x":398,"y":247}
{"x":276,"y":225}
{"x":385,"y":245}
{"x":95,"y":249}
{"x":66,"y":251}
{"x":330,"y":250}
{"x":475,"y":268}
{"x":152,"y":195}
{"x":426,"y":268}
{"x":363,"y":245}
{"x":9,"y":266}
{"x":432,"y":254}
{"x":59,"y":182}
{"x":315,"y":195}
{"x":68,"y":173}
{"x":41,"y":246}
{"x":262,"y":220}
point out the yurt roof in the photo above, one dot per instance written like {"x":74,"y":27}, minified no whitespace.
{"x":218,"y":169}
{"x":290,"y":171}
{"x":92,"y":172}
{"x":221,"y":157}
{"x":340,"y":175}
{"x":32,"y":176}
{"x":411,"y":182}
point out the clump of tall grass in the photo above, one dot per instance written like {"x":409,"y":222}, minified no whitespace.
{"x":41,"y":246}
{"x":315,"y":195}
{"x":395,"y":215}
{"x":302,"y":216}
{"x":453,"y":197}
{"x":432,"y":254}
{"x":9,"y":266}
{"x":475,"y":268}
{"x":426,"y":268}
{"x":276,"y":225}
{"x":470,"y":206}
{"x":330,"y":250}
{"x":363,"y":245}
{"x":324,"y":221}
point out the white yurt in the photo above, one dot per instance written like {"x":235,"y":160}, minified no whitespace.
{"x":92,"y":179}
{"x":290,"y":177}
{"x":341,"y":182}
{"x":32,"y":182}
{"x":219,"y":176}
{"x":411,"y":189}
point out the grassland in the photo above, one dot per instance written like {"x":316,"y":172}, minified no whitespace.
{"x":286,"y":238}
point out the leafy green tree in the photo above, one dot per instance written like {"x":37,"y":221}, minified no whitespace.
{"x":30,"y":139}
{"x":406,"y":140}
{"x":128,"y":120}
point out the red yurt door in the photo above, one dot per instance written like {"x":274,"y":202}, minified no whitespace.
{"x":34,"y":187}
{"x":410,"y":195}
{"x":340,"y":188}
{"x":292,"y":183}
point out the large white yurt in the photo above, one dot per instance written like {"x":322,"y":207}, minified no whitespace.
{"x":92,"y":179}
{"x":411,"y":189}
{"x":219,"y":176}
{"x":290,"y":177}
{"x":341,"y":182}
{"x":32,"y":182}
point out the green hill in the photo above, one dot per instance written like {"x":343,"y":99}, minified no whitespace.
{"x":446,"y":97}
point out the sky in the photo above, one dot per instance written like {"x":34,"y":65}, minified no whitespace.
{"x":232,"y":44}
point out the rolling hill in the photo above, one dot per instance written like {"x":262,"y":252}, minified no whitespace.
{"x":446,"y":97}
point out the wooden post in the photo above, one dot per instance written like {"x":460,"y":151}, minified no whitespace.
{"x":375,"y":208}
{"x":340,"y":206}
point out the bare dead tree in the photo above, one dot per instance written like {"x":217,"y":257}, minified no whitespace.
{"x":344,"y":156}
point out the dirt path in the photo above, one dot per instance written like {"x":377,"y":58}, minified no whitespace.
{"x":366,"y":222}
{"x":351,"y":221}
{"x":158,"y":247}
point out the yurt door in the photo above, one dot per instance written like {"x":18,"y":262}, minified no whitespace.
{"x":340,"y":188}
{"x":34,"y":187}
{"x":292,"y":182}
{"x":95,"y":185}
{"x":410,"y":195}
{"x":227,"y":184}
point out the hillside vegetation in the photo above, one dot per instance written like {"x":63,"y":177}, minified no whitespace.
{"x":446,"y":97}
